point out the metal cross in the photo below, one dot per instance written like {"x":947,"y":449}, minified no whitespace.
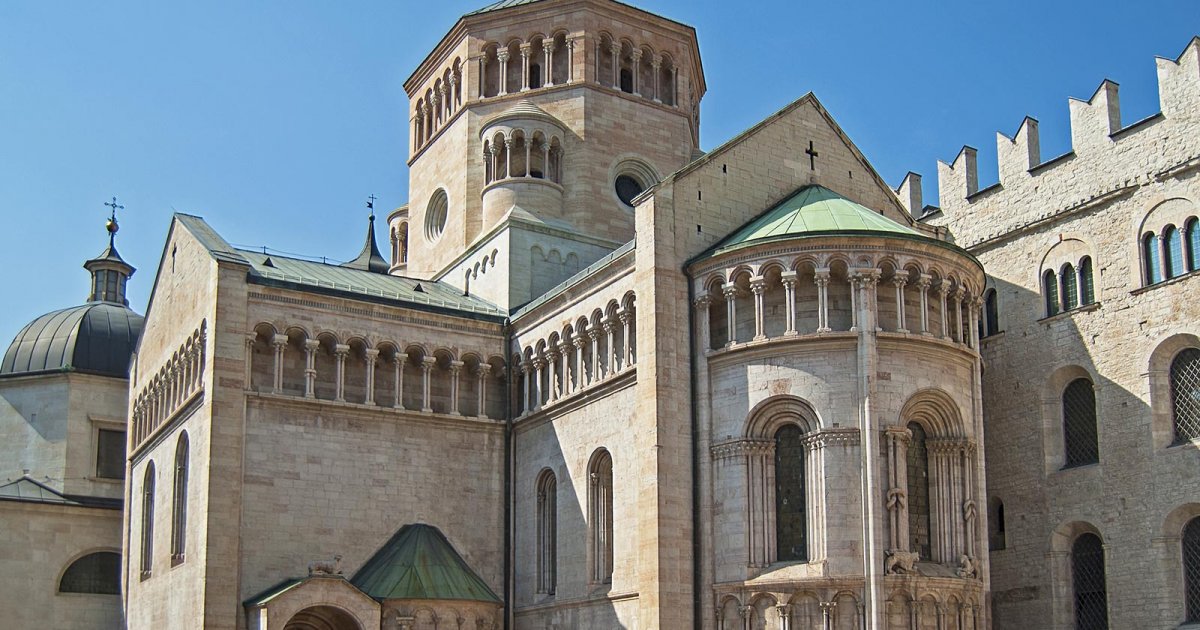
{"x":114,"y":207}
{"x":371,"y":205}
{"x":812,"y":156}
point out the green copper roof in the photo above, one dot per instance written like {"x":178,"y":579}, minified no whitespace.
{"x":503,"y":4}
{"x":419,"y":563}
{"x":813,"y":209}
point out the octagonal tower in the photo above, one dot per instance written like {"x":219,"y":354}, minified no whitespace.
{"x":534,"y":124}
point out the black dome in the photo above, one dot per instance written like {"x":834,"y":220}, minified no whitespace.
{"x":96,"y":338}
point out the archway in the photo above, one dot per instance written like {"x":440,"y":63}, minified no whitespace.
{"x":322,"y":618}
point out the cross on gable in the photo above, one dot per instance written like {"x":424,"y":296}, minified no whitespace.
{"x":812,"y":156}
{"x":114,"y":206}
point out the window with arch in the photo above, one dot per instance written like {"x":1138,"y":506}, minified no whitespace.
{"x":1089,"y":583}
{"x":1050,"y":291}
{"x":1070,"y":287}
{"x":1087,"y":288}
{"x":1191,"y":569}
{"x":97,"y":573}
{"x":791,"y":506}
{"x":919,"y":519}
{"x":179,"y":500}
{"x":147,"y":546}
{"x":1080,"y":442}
{"x":547,"y":532}
{"x":1191,"y":236}
{"x":1173,"y":265}
{"x":600,"y":516}
{"x":1151,"y":259}
{"x":990,"y":324}
{"x":1185,"y":395}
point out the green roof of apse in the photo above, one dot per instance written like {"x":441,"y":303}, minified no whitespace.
{"x":419,"y":563}
{"x":503,"y":4}
{"x":812,"y":209}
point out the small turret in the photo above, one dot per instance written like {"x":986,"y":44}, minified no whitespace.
{"x":369,"y":259}
{"x":109,"y":271}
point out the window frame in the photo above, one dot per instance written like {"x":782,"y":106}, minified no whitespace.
{"x":1068,"y":461}
{"x":82,"y":557}
{"x":1177,"y":436}
{"x":179,"y":492}
{"x":146,"y":555}
{"x":115,"y":427}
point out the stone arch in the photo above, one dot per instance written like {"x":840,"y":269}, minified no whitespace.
{"x":1162,"y":406}
{"x":261,"y":351}
{"x":96,"y":570}
{"x":766,"y":417}
{"x":323,"y":617}
{"x":600,"y":516}
{"x":936,"y":411}
{"x":1053,"y":440}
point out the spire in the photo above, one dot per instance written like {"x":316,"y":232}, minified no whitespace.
{"x":370,"y":259}
{"x":110,"y":272}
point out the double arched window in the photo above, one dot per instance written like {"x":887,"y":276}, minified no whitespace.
{"x":1185,"y":395}
{"x":1088,"y":582}
{"x":1171,"y":253}
{"x":179,"y":500}
{"x":1191,"y":569}
{"x":1071,"y":287}
{"x":1080,"y":440}
{"x":147,"y":547}
{"x":547,"y":532}
{"x":97,"y":573}
{"x":600,"y":516}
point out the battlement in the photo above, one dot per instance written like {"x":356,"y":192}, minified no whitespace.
{"x":1095,"y":130}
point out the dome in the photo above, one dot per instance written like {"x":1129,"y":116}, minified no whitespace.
{"x":95,"y":338}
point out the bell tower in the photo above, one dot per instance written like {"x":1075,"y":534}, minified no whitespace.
{"x":534,"y":125}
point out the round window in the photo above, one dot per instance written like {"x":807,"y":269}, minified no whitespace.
{"x":435,"y":215}
{"x":628,"y":188}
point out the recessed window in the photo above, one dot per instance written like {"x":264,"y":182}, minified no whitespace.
{"x":436,"y":214}
{"x":628,"y":189}
{"x":110,"y":454}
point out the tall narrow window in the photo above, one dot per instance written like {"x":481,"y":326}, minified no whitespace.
{"x":1185,"y":395}
{"x":1151,"y":259}
{"x":535,"y":76}
{"x":1173,"y":266}
{"x":1070,"y":287}
{"x":601,"y":517}
{"x":791,"y":521}
{"x":626,"y":81}
{"x":1191,"y":568}
{"x":1079,"y":423}
{"x":1191,"y":234}
{"x":991,"y":313}
{"x":147,"y":520}
{"x":1087,"y":289}
{"x":110,"y":454}
{"x":179,"y":500}
{"x":1050,"y":289}
{"x":918,"y":494}
{"x":547,"y":532}
{"x":997,"y":537}
{"x":1088,"y":579}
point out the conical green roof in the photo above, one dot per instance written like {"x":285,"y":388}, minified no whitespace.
{"x":419,"y":563}
{"x":813,"y":209}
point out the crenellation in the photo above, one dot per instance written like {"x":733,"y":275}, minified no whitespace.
{"x":958,"y":180}
{"x":1179,"y":82}
{"x":909,"y":193}
{"x":1017,"y":155}
{"x":1094,"y":121}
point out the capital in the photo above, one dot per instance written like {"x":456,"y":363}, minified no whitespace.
{"x":502,"y":55}
{"x":730,"y":290}
{"x":578,"y":341}
{"x":526,"y":48}
{"x":427,"y":363}
{"x":899,"y":281}
{"x":279,"y":340}
{"x":483,"y":370}
{"x":703,"y":302}
{"x":371,"y":353}
{"x":311,"y":345}
{"x":636,"y":55}
{"x":341,"y":349}
{"x":614,"y":47}
{"x":456,"y":366}
{"x":758,"y":285}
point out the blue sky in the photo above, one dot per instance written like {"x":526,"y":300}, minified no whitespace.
{"x":275,"y":120}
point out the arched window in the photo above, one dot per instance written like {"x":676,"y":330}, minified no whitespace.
{"x":547,"y":532}
{"x":1050,"y":291}
{"x":1087,"y":289}
{"x":1070,"y":287}
{"x":997,"y":538}
{"x":600,"y":516}
{"x":97,"y":573}
{"x":535,"y":76}
{"x":918,"y":493}
{"x":1079,"y":423}
{"x":179,"y":500}
{"x":991,"y":313}
{"x":147,"y":520}
{"x":1185,"y":395}
{"x":1174,"y":245}
{"x":1191,"y":234}
{"x":1088,"y":580}
{"x":1151,"y":259}
{"x":1191,"y":568}
{"x":791,"y":519}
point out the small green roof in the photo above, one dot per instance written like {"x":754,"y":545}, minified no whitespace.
{"x":503,"y":4}
{"x":812,"y":209}
{"x":419,"y":563}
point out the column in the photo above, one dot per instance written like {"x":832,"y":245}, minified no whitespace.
{"x":788,"y":278}
{"x":398,"y":379}
{"x":974,"y":306}
{"x":526,"y":369}
{"x":614,"y":49}
{"x":897,"y":493}
{"x":494,"y":153}
{"x":482,"y":75}
{"x":279,"y":343}
{"x":539,"y":364}
{"x":372,"y":356}
{"x":827,"y":615}
{"x":526,"y":52}
{"x":943,"y":290}
{"x":901,"y":322}
{"x":455,"y":89}
{"x":455,"y":368}
{"x":610,"y":355}
{"x":552,"y":357}
{"x":758,"y":286}
{"x":958,"y":296}
{"x":427,"y":364}
{"x":730,"y":291}
{"x":855,"y":320}
{"x":923,"y":282}
{"x":482,"y":372}
{"x":626,"y":341}
{"x":580,"y":370}
{"x":636,"y":56}
{"x":822,"y":280}
{"x":1164,"y":261}
{"x":703,"y":320}
{"x":507,"y":158}
{"x":785,"y":616}
{"x":446,"y":106}
{"x":548,"y":47}
{"x":437,"y":110}
{"x":528,"y":150}
{"x":502,"y":57}
{"x":675,"y":85}
{"x":546,"y":160}
{"x":339,"y":352}
{"x":571,"y":61}
{"x":594,"y":335}
{"x":656,"y":64}
{"x":310,"y":367}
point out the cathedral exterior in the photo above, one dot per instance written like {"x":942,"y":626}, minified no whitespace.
{"x":606,"y":380}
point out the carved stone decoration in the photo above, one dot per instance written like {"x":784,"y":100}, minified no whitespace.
{"x":967,"y":567}
{"x":326,"y":567}
{"x":900,"y":562}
